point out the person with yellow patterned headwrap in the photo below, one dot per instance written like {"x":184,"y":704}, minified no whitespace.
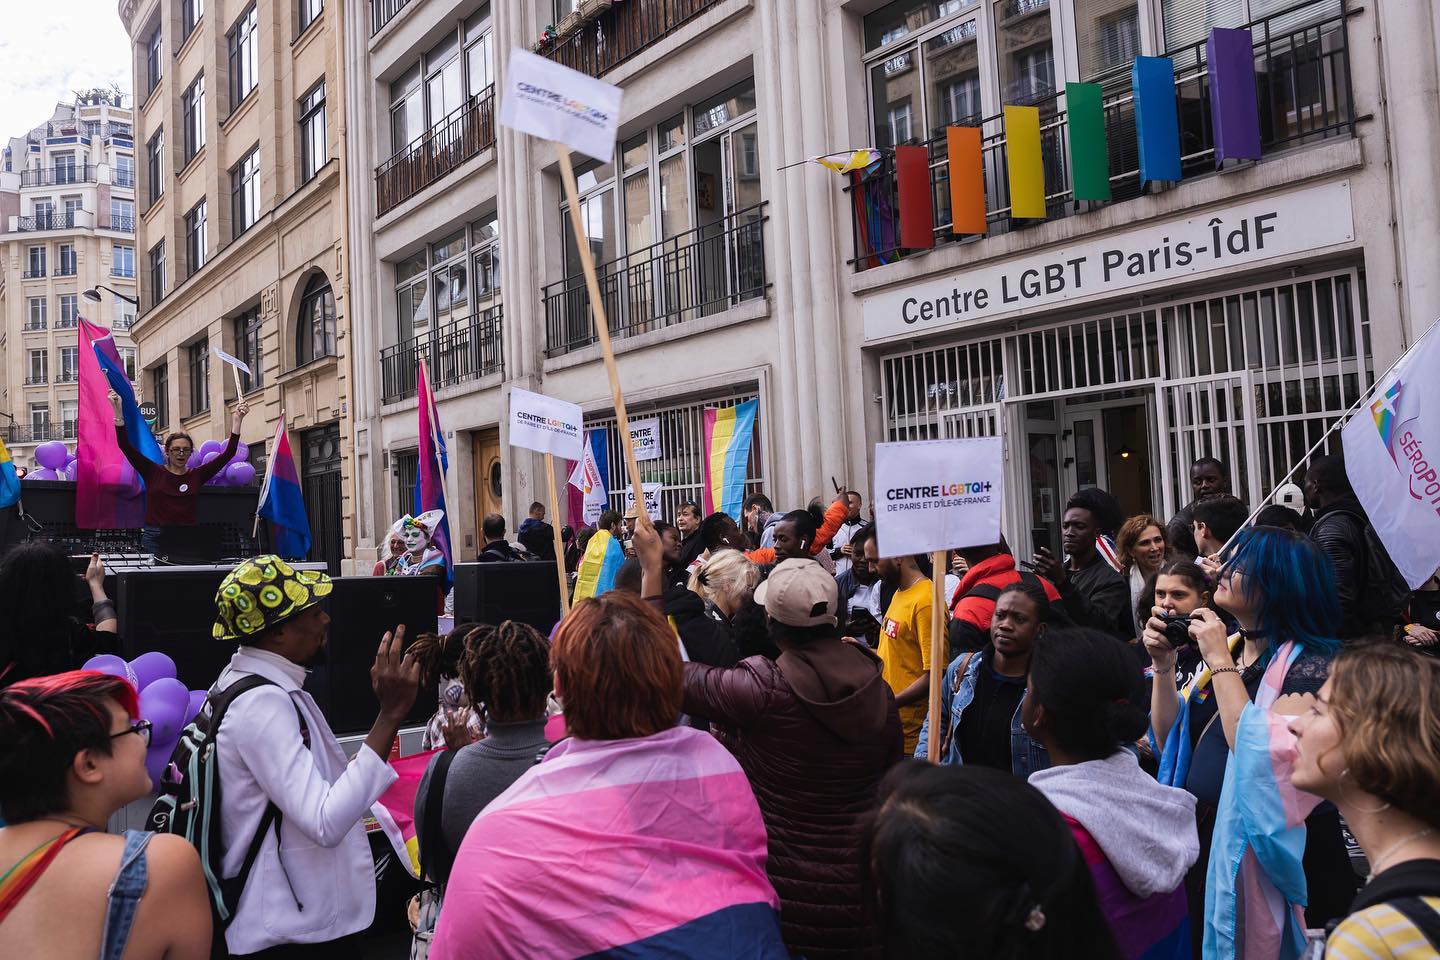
{"x":312,"y":882}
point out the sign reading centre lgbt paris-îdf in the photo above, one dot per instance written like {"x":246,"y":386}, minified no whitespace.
{"x":544,"y":424}
{"x":553,"y":102}
{"x":937,"y":494}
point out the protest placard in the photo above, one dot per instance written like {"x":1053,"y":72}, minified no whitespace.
{"x":652,"y":500}
{"x":548,"y":100}
{"x":937,"y":494}
{"x":645,"y":435}
{"x":544,"y":424}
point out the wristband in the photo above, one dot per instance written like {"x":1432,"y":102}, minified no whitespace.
{"x":1219,"y":670}
{"x":103,"y":610}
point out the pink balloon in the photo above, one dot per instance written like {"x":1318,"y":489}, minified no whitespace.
{"x":152,"y":666}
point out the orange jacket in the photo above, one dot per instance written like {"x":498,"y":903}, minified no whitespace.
{"x":834,"y":517}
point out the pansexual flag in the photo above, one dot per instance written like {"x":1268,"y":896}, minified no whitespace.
{"x":281,"y":501}
{"x":728,"y":432}
{"x":9,"y":482}
{"x":602,"y":560}
{"x":395,"y":810}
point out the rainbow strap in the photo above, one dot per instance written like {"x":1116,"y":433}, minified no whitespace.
{"x":18,"y":880}
{"x":728,"y":433}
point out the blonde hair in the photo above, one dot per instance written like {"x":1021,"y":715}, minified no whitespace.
{"x":728,"y":574}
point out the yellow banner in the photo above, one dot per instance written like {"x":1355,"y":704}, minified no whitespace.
{"x":1027,"y":169}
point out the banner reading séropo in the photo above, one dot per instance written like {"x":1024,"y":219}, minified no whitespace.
{"x":937,"y":494}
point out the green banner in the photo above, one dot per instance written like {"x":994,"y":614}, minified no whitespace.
{"x":1089,"y":155}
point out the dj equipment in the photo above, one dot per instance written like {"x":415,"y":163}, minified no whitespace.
{"x":527,"y":592}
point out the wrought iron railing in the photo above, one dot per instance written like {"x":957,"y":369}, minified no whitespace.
{"x":1304,"y":87}
{"x":456,"y":352}
{"x":123,"y":224}
{"x":35,"y":433}
{"x":122,"y":322}
{"x":65,"y":323}
{"x":694,"y":274}
{"x":622,"y":31}
{"x":437,"y":152}
{"x":33,"y":274}
{"x":382,"y":12}
{"x":67,"y":376}
{"x":34,"y":325}
{"x":37,"y":380}
{"x":57,"y":175}
{"x":45,"y":221}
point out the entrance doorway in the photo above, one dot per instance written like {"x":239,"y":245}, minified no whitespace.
{"x":488,"y":478}
{"x":321,"y":487}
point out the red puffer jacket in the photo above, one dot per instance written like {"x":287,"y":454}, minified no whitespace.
{"x":815,"y":732}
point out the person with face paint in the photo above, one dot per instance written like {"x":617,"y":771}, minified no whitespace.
{"x":171,"y":489}
{"x":421,"y":557}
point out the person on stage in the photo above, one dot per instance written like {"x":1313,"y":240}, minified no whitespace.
{"x":172,"y":488}
{"x":421,"y":557}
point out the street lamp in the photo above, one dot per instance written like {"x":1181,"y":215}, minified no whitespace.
{"x":93,"y":294}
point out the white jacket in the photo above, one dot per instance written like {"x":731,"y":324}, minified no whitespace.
{"x":323,"y":861}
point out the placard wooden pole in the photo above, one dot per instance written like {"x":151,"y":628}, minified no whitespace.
{"x":937,"y":650}
{"x":602,"y":326}
{"x":559,"y":543}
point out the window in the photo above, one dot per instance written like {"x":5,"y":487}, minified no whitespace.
{"x":69,"y":310}
{"x":155,"y":165}
{"x":312,"y":132}
{"x":45,"y":214}
{"x":444,"y":91}
{"x":160,"y":393}
{"x":35,"y":264}
{"x":69,"y":418}
{"x":154,"y":61}
{"x":310,"y":10}
{"x":122,"y":261}
{"x":245,"y":193}
{"x":407,"y":110}
{"x":65,"y":168}
{"x":190,"y":13}
{"x":198,"y":362}
{"x":479,"y":53}
{"x":193,"y":106}
{"x":196,"y":234}
{"x":1023,"y":51}
{"x":124,"y":170}
{"x":36,"y":308}
{"x":244,"y":56}
{"x":449,"y":278}
{"x":39,"y":421}
{"x":315,"y":327}
{"x":39,"y":368}
{"x":248,"y":332}
{"x":69,"y":364}
{"x":122,"y":215}
{"x":122,"y":314}
{"x":157,"y":273}
{"x":73,"y":205}
{"x":67,"y":260}
{"x":1107,"y":35}
{"x":127,"y":360}
{"x":412,"y":295}
{"x":925,"y":70}
{"x":486,"y":273}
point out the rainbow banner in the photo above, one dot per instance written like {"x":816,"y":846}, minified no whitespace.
{"x":1089,"y":153}
{"x":967,"y":180}
{"x":728,"y":432}
{"x":1234,"y":105}
{"x":1027,"y":169}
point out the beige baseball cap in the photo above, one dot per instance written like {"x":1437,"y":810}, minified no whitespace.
{"x":800,"y":593}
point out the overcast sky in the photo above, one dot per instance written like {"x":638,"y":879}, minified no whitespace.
{"x":49,"y":48}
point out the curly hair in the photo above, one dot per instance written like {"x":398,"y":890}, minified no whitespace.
{"x":439,"y":655}
{"x":1385,"y":700}
{"x":506,"y":670}
{"x":1130,"y":533}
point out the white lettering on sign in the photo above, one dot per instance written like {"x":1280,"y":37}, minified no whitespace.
{"x":1279,"y":226}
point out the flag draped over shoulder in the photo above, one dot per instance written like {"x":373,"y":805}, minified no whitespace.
{"x":602,"y":560}
{"x":395,"y":810}
{"x":9,"y":482}
{"x":108,"y":492}
{"x":430,"y":475}
{"x":282,"y":502}
{"x":598,"y":850}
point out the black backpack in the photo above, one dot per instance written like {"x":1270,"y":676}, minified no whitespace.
{"x":1384,"y":594}
{"x":189,"y":803}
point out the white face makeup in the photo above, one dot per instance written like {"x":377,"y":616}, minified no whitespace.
{"x":415,"y":538}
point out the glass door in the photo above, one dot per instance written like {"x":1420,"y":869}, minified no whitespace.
{"x":1083,"y":445}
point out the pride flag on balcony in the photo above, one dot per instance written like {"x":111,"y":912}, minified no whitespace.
{"x":728,"y":433}
{"x":1027,"y":169}
{"x":1157,"y":119}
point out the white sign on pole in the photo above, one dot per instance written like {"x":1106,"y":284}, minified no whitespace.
{"x":937,"y":494}
{"x":553,"y":102}
{"x":645,"y":435}
{"x":544,"y":424}
{"x":652,"y":500}
{"x":1392,"y":456}
{"x":233,"y":361}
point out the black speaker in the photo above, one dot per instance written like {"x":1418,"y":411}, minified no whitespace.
{"x":526,"y":592}
{"x":173,"y":611}
{"x":361,"y":610}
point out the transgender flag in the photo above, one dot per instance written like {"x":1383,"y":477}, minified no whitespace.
{"x":728,"y":432}
{"x":282,"y":502}
{"x":644,"y":847}
{"x":430,"y":475}
{"x":108,"y":492}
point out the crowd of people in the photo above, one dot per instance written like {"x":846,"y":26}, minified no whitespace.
{"x":1214,"y":736}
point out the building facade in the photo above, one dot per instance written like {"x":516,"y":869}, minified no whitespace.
{"x":67,"y":224}
{"x":1098,"y":341}
{"x":241,"y":234}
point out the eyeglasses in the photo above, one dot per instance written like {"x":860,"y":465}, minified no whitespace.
{"x":141,"y":727}
{"x":182,"y":451}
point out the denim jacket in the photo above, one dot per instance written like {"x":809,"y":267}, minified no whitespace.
{"x":1026,"y":756}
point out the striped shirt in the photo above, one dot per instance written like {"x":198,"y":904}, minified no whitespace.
{"x":1381,"y":933}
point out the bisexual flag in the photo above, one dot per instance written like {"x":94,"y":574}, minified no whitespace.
{"x":108,"y":492}
{"x":434,"y":462}
{"x":281,"y":501}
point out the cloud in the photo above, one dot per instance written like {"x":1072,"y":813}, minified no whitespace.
{"x":50,"y":48}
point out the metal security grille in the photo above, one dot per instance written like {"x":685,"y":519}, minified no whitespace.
{"x":682,"y":440}
{"x":1251,"y":376}
{"x":322,"y":489}
{"x":405,"y":466}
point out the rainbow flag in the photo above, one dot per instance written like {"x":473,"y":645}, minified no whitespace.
{"x":854,"y":160}
{"x":728,"y":433}
{"x":597,"y":851}
{"x":596,"y":575}
{"x":395,"y":810}
{"x":9,"y":482}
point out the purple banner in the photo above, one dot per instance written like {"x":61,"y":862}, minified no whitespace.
{"x":1234,"y":109}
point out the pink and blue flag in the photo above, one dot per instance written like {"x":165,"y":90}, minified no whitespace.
{"x":642,"y":848}
{"x":282,"y":502}
{"x":434,"y":463}
{"x":109,"y":494}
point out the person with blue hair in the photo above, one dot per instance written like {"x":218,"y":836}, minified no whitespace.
{"x":1212,"y":739}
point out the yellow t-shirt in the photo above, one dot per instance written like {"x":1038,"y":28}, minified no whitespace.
{"x":1380,"y":933}
{"x":905,"y":648}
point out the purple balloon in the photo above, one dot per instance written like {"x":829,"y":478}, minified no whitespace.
{"x":152,"y":666}
{"x":164,"y":703}
{"x":209,"y":455}
{"x":194,"y":461}
{"x":70,"y":472}
{"x":52,"y":454}
{"x":240,"y":474}
{"x":42,"y":473}
{"x":157,"y":758}
{"x":197,"y":700}
{"x":210,"y":446}
{"x":242,"y":453}
{"x":111,"y":664}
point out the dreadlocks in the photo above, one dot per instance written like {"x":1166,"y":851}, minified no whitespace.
{"x":439,"y":655}
{"x":507,"y":670}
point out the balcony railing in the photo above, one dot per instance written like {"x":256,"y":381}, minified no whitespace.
{"x":123,"y":224}
{"x":124,"y":179}
{"x":65,"y":323}
{"x":37,"y":380}
{"x":621,"y":32}
{"x":35,"y":433}
{"x":69,"y":429}
{"x":57,"y":176}
{"x":694,"y":274}
{"x":454,"y":353}
{"x":382,"y":12}
{"x":34,"y":325}
{"x":437,"y":152}
{"x":1023,"y":8}
{"x":1304,"y":88}
{"x":33,"y":274}
{"x":67,"y":376}
{"x":123,"y":322}
{"x":66,"y":270}
{"x":45,"y":221}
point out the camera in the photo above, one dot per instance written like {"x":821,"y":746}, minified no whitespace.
{"x":1177,"y":628}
